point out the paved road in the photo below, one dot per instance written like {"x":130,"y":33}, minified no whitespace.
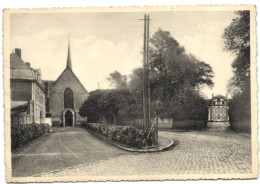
{"x":207,"y":152}
{"x":64,"y":147}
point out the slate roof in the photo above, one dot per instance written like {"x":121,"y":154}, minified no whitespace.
{"x":16,"y":62}
{"x":19,"y":69}
{"x":68,"y":68}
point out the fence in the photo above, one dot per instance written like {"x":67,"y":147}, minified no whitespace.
{"x":21,"y":119}
{"x":166,"y":123}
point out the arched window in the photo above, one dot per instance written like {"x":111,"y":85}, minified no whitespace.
{"x":68,"y":98}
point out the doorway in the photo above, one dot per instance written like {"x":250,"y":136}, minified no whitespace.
{"x":68,"y":118}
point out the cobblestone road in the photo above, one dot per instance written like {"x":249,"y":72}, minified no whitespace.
{"x":196,"y":153}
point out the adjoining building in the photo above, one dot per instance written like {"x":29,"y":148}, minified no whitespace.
{"x":65,"y":96}
{"x":218,"y":109}
{"x":27,"y":92}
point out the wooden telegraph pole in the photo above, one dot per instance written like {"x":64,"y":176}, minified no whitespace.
{"x":146,"y":76}
{"x":144,"y":79}
{"x":147,"y":123}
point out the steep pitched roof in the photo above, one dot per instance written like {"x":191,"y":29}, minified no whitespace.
{"x":16,"y":62}
{"x":19,"y":69}
{"x":67,"y":68}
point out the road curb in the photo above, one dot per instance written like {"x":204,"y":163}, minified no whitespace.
{"x":148,"y":150}
{"x":244,"y":134}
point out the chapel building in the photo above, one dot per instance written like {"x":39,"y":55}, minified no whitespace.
{"x":64,"y":97}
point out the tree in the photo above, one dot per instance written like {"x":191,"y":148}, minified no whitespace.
{"x":136,"y":82}
{"x":175,"y":75}
{"x":237,"y":40}
{"x":106,"y":103}
{"x":175,"y":71}
{"x":91,"y":107}
{"x":118,"y":80}
{"x":115,"y":100}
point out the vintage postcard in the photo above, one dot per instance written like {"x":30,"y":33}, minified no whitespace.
{"x":130,"y":93}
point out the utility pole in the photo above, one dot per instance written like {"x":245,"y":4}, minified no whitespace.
{"x":146,"y":76}
{"x":144,"y":79}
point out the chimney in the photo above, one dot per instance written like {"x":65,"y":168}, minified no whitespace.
{"x":28,"y":64}
{"x":18,"y":52}
{"x":212,"y":95}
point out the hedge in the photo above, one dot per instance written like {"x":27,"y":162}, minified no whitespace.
{"x":240,"y":112}
{"x":22,"y":134}
{"x":128,"y":135}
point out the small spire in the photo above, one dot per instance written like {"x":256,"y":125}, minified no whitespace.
{"x":69,"y":57}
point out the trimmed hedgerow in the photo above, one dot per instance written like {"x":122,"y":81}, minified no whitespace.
{"x":128,"y":135}
{"x":22,"y":134}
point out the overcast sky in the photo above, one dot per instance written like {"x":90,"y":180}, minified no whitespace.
{"x":104,"y":42}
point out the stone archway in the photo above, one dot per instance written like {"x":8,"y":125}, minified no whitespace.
{"x":68,"y":118}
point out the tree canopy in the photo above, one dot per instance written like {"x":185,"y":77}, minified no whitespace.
{"x":105,"y":103}
{"x":91,"y":107}
{"x":118,"y":80}
{"x":237,"y":40}
{"x":175,"y":75}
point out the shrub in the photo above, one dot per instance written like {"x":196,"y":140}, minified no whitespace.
{"x":128,"y":135}
{"x":22,"y":134}
{"x":240,"y":112}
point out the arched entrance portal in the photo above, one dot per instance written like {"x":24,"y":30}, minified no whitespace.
{"x":68,"y":118}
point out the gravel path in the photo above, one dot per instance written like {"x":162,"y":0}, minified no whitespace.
{"x":65,"y":147}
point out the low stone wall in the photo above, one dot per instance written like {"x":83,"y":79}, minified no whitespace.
{"x":218,"y":125}
{"x":21,"y":119}
{"x":188,"y":125}
{"x":169,"y":123}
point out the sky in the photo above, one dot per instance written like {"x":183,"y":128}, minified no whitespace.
{"x":104,"y":42}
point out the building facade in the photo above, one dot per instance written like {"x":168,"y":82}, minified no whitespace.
{"x":27,"y":91}
{"x":65,"y":96}
{"x":218,"y":109}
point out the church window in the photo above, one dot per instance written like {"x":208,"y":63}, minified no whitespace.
{"x":68,"y":98}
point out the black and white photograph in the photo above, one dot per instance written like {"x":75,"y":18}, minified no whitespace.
{"x":137,"y":93}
